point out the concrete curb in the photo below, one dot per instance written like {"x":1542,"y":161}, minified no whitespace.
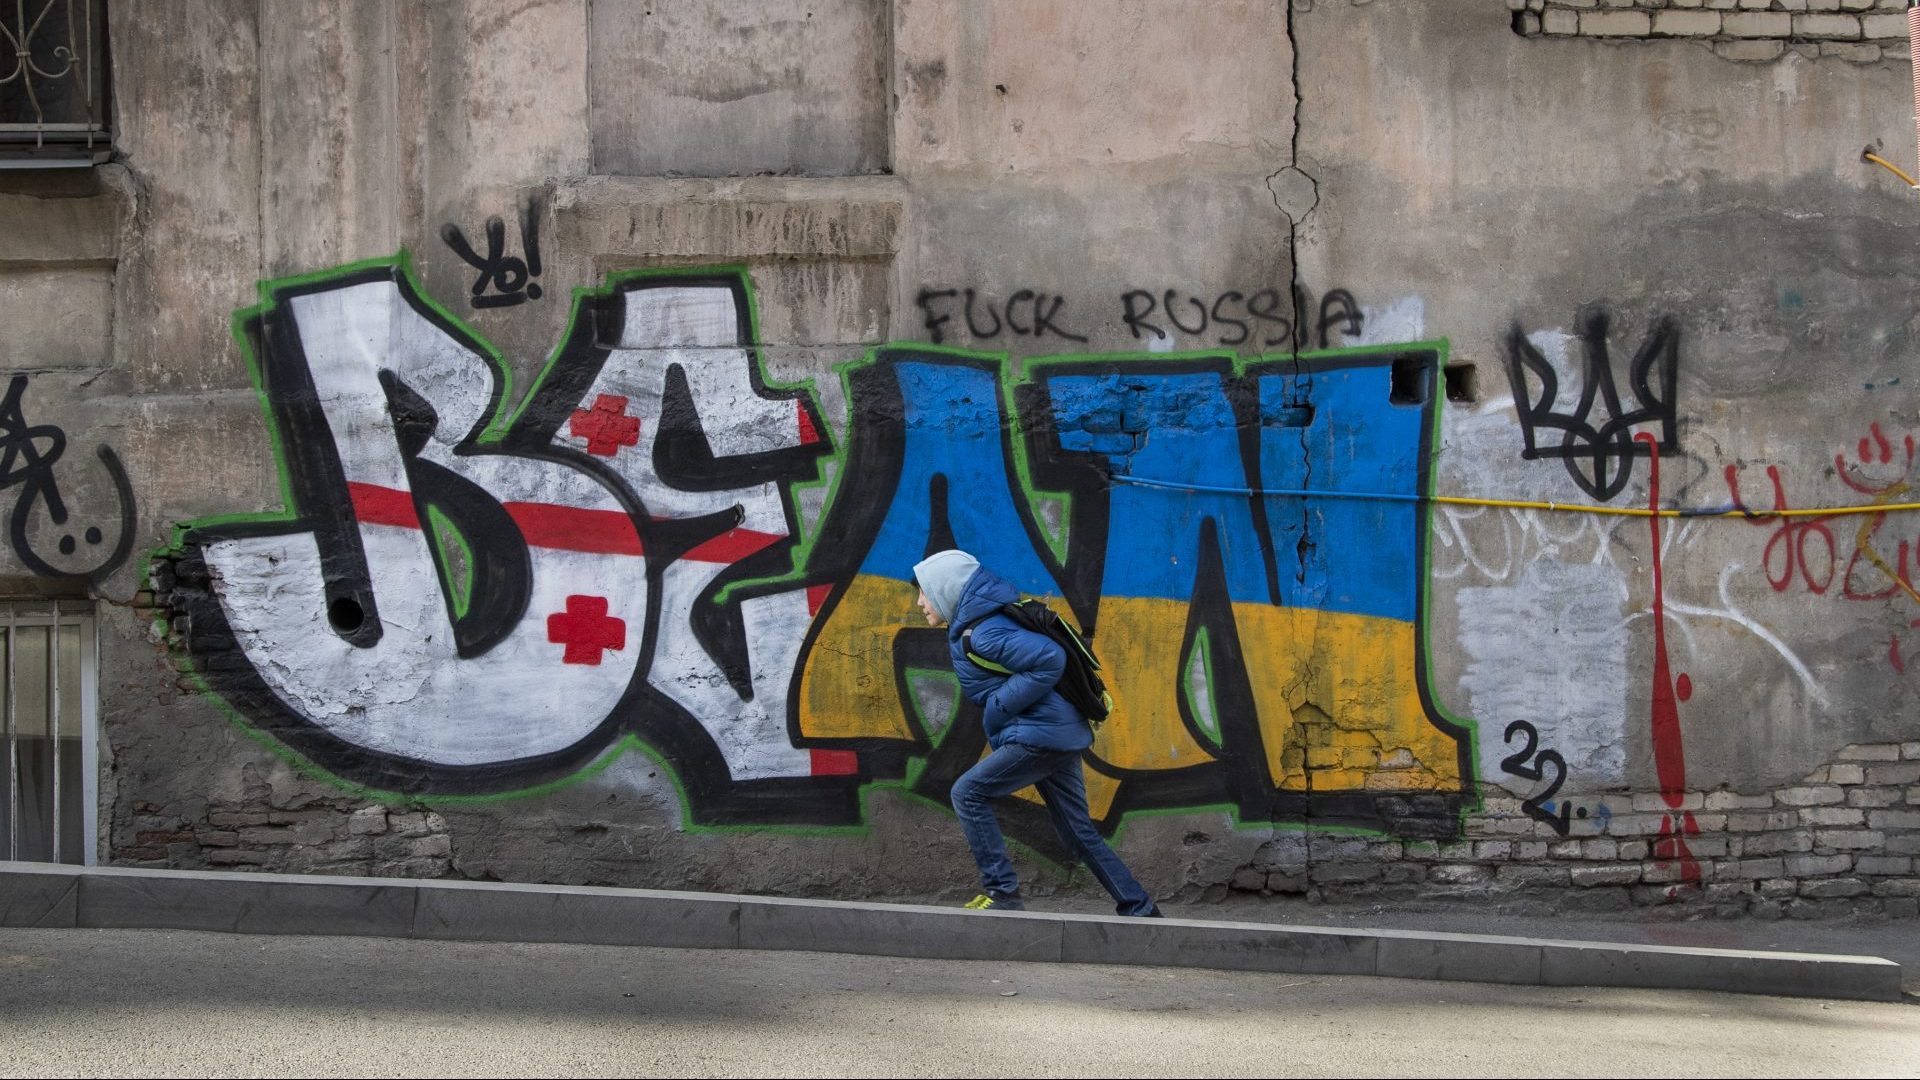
{"x":48,"y":896}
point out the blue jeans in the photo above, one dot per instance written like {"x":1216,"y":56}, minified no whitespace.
{"x":1057,"y":774}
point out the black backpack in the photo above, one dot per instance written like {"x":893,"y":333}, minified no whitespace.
{"x":1080,"y":682}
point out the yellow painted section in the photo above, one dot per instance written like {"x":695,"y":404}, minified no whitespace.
{"x":847,"y":687}
{"x":1138,"y":640}
{"x":1335,"y":694}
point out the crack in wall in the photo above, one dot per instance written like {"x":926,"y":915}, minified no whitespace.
{"x":1300,"y":395}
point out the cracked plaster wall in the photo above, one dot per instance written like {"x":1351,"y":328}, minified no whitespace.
{"x":1456,"y":178}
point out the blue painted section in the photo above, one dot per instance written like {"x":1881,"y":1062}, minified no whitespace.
{"x":1363,"y":556}
{"x":954,"y":428}
{"x":1165,"y":427}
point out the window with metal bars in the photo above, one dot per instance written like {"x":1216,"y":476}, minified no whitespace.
{"x":47,"y":742}
{"x":53,"y":84}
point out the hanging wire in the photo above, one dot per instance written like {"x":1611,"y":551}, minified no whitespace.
{"x":1729,"y":511}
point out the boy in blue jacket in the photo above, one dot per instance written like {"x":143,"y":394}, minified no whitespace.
{"x":1036,"y":736}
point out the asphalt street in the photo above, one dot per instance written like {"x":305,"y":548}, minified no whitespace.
{"x":178,"y":1003}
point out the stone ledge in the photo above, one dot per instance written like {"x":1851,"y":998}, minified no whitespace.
{"x":749,"y":217}
{"x":44,"y":895}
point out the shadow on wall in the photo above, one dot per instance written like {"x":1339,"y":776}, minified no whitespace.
{"x":473,"y":597}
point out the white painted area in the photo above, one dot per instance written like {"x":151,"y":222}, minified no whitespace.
{"x":697,"y":333}
{"x":751,"y":734}
{"x":681,"y":317}
{"x":1678,"y":612}
{"x":737,"y":420}
{"x":410,"y":694}
{"x":1402,"y":320}
{"x":1550,"y":648}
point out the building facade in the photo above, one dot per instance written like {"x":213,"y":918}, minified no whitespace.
{"x":489,"y":440}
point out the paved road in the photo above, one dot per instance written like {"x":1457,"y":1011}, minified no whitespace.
{"x":95,"y":1002}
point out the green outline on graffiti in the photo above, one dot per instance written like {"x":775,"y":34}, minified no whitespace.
{"x":442,"y":530}
{"x":506,"y":411}
{"x":1203,"y":650}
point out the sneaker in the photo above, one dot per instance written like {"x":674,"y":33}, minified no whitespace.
{"x":990,"y":902}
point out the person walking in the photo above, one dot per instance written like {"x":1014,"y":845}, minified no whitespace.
{"x":1036,"y":736}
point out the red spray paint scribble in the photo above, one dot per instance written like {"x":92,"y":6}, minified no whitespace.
{"x":1878,"y":567}
{"x":1669,"y":752}
{"x":1786,"y":551}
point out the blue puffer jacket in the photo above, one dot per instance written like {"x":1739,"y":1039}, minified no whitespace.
{"x":1022,"y":707}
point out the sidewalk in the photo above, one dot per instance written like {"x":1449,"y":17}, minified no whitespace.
{"x":1897,"y":940}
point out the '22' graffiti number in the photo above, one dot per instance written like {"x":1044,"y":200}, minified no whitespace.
{"x":1516,"y":764}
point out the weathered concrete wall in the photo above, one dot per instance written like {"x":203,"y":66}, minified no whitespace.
{"x":571,"y":546}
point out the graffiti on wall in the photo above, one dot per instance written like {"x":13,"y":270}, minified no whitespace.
{"x":1598,"y":432}
{"x":1257,"y":319}
{"x":466,"y":595}
{"x":504,"y":279}
{"x":1601,"y":439}
{"x":29,"y":458}
{"x":1865,"y":557}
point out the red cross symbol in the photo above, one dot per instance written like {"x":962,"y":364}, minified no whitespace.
{"x":585,"y":629}
{"x":606,"y":427}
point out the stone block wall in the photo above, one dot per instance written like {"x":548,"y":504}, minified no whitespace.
{"x":1863,"y":31}
{"x":1843,"y":841}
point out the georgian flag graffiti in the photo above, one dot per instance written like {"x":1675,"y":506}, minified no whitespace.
{"x":460,"y":597}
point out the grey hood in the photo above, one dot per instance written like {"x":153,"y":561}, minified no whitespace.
{"x":941,"y":576}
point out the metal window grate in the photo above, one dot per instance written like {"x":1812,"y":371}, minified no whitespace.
{"x":53,"y":83}
{"x":47,"y":724}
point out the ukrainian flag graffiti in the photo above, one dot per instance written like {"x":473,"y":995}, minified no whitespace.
{"x":1261,"y":625}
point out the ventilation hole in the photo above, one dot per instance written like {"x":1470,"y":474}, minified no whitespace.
{"x":1460,"y":381}
{"x":346,"y":615}
{"x":1410,"y":376}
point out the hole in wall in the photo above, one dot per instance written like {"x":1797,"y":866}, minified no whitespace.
{"x":1461,"y":382}
{"x":1409,"y":381}
{"x":345,"y":614}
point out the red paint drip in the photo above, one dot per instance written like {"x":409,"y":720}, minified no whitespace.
{"x":1672,"y":846}
{"x":1893,"y":654}
{"x":1669,"y":754}
{"x":1683,"y":687}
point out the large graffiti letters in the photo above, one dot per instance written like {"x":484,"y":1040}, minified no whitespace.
{"x":463,"y":600}
{"x":471,"y":596}
{"x":28,"y":455}
{"x":1599,"y":456}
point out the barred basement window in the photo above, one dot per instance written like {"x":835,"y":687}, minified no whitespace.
{"x":53,"y":84}
{"x":48,"y":709}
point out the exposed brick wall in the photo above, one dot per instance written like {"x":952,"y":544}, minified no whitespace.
{"x":1863,"y":31}
{"x":340,"y":836}
{"x":1844,"y":841}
